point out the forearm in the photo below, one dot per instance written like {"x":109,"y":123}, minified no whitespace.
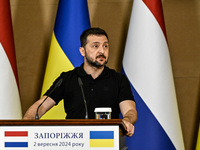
{"x":129,"y":112}
{"x":130,"y":116}
{"x":31,"y":112}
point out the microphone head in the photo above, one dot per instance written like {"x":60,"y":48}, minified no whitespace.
{"x":80,"y":81}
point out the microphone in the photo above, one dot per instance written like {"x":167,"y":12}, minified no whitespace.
{"x":81,"y":85}
{"x":56,"y":85}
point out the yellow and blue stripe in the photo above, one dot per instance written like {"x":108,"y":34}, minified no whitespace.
{"x":71,"y":20}
{"x":101,"y":138}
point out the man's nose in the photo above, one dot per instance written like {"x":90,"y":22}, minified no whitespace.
{"x":101,"y":49}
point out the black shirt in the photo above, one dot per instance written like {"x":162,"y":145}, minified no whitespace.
{"x":108,"y":90}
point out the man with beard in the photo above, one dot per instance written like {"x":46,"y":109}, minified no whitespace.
{"x":102,"y":86}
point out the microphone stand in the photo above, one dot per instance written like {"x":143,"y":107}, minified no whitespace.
{"x":57,"y":85}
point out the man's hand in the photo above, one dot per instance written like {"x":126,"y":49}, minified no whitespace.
{"x":129,"y":127}
{"x":129,"y":112}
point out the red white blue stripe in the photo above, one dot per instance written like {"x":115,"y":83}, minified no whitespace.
{"x":147,"y":65}
{"x":16,"y":139}
{"x":10,"y":107}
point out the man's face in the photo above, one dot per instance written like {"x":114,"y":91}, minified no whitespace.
{"x":97,"y":50}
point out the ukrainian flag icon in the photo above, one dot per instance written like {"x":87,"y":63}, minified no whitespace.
{"x":101,"y":138}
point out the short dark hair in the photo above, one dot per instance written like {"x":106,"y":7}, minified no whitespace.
{"x":91,"y":31}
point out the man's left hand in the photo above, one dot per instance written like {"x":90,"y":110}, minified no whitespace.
{"x":130,"y":128}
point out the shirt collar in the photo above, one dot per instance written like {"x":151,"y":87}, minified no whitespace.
{"x":81,"y":72}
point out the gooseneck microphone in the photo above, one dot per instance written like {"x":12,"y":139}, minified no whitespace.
{"x":56,"y":85}
{"x":81,"y":85}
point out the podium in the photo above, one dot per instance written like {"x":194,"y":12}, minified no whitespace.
{"x":70,"y":134}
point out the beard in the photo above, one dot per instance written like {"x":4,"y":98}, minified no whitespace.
{"x":95,"y":63}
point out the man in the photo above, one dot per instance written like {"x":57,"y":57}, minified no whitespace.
{"x":103,"y":87}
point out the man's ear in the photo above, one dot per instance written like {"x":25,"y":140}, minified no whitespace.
{"x":82,"y":51}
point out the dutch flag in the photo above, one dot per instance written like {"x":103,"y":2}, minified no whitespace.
{"x":147,"y":65}
{"x":16,"y":139}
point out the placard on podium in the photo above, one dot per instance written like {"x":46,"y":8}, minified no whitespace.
{"x":75,"y":134}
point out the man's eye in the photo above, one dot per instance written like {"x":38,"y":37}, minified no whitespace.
{"x":106,"y":46}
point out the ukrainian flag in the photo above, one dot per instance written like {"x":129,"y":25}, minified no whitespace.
{"x":71,"y":20}
{"x":101,"y":138}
